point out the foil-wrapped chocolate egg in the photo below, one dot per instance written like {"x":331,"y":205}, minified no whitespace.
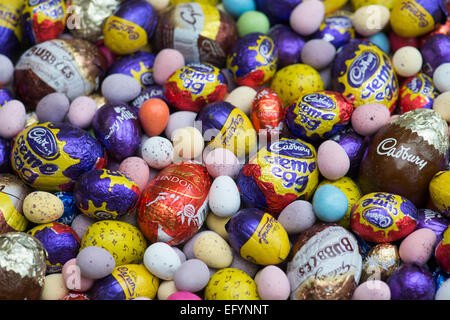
{"x":442,"y":251}
{"x":253,"y":60}
{"x":411,"y":282}
{"x":11,"y":27}
{"x":22,"y":266}
{"x":356,"y":4}
{"x":201,"y":32}
{"x":105,"y":194}
{"x":433,"y":220}
{"x":12,"y":193}
{"x":138,"y":65}
{"x":277,"y":11}
{"x":383,"y":217}
{"x":5,"y":96}
{"x":154,"y":91}
{"x":288,"y":43}
{"x":439,"y":277}
{"x":73,"y":67}
{"x":325,"y":264}
{"x":338,"y":30}
{"x":363,"y":73}
{"x":258,"y":237}
{"x":131,"y":27}
{"x":172,"y":208}
{"x":70,"y":210}
{"x":319,"y":115}
{"x":440,"y":192}
{"x":405,"y":154}
{"x":126,"y":282}
{"x":435,"y":51}
{"x":195,"y":85}
{"x":279,"y":173}
{"x":267,"y":113}
{"x":225,"y":126}
{"x":417,"y":92}
{"x":60,"y":241}
{"x":51,"y":157}
{"x":380,"y":262}
{"x":117,"y":127}
{"x":5,"y":152}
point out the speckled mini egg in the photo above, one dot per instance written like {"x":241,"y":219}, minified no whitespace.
{"x":95,"y":262}
{"x":125,"y":242}
{"x":338,"y":30}
{"x":157,"y":152}
{"x":193,"y":275}
{"x":60,"y":241}
{"x":42,"y":207}
{"x":12,"y":193}
{"x":231,"y":284}
{"x":213,"y":250}
{"x":126,"y":282}
{"x":105,"y":194}
{"x":224,"y":199}
{"x":161,"y":260}
{"x":253,"y":60}
{"x":440,"y":192}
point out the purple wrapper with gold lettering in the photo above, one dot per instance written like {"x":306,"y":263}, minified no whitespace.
{"x":155,"y":91}
{"x":289,"y":44}
{"x":138,"y":65}
{"x":435,"y":51}
{"x":411,"y":282}
{"x":107,"y":288}
{"x":432,"y":220}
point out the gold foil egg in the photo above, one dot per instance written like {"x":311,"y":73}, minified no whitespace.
{"x":380,"y":262}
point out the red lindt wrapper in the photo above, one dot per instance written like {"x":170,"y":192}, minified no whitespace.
{"x":173,"y":206}
{"x":267,"y":112}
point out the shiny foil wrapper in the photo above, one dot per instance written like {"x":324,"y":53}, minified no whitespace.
{"x":5,"y":96}
{"x":60,"y":241}
{"x":432,"y":220}
{"x":206,"y":39}
{"x":22,"y":266}
{"x":70,"y":210}
{"x":75,"y":296}
{"x":442,"y":251}
{"x":435,"y":51}
{"x":99,"y":99}
{"x":417,"y":92}
{"x":338,"y":30}
{"x":73,"y":67}
{"x":155,"y":91}
{"x":87,"y":17}
{"x":380,"y":262}
{"x":289,"y":44}
{"x":11,"y":27}
{"x":172,"y":208}
{"x":411,"y":282}
{"x":325,"y":264}
{"x":12,"y":193}
{"x":267,"y":112}
{"x":277,"y":11}
{"x":440,"y":29}
{"x":5,"y":152}
{"x":439,"y":277}
{"x":138,"y":65}
{"x":107,"y":288}
{"x":117,"y":127}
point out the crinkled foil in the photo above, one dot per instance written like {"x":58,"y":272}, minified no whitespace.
{"x":429,"y":125}
{"x":99,"y":99}
{"x":22,"y":266}
{"x":380,"y":262}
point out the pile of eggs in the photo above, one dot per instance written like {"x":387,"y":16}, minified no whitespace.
{"x":225,"y":150}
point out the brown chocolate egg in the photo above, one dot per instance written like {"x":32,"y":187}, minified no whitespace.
{"x":405,"y":154}
{"x":380,"y":262}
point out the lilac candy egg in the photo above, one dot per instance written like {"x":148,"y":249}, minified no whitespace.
{"x":337,"y":30}
{"x":5,"y":151}
{"x":138,"y":65}
{"x":432,"y":220}
{"x":435,"y":51}
{"x":289,"y":44}
{"x":118,"y":129}
{"x":154,"y":91}
{"x":411,"y":282}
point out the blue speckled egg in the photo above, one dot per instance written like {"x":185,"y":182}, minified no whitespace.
{"x":329,"y":203}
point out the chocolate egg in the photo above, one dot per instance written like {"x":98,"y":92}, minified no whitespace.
{"x":440,"y":192}
{"x":363,"y":73}
{"x":288,"y":43}
{"x":267,"y":113}
{"x":5,"y":153}
{"x":11,"y":28}
{"x":117,"y":127}
{"x":433,"y":220}
{"x":12,"y":193}
{"x":73,"y":67}
{"x":338,"y":30}
{"x":138,"y":65}
{"x":417,"y":92}
{"x":442,"y":251}
{"x":201,"y":32}
{"x":383,"y":217}
{"x":105,"y":194}
{"x":277,"y":10}
{"x":22,"y":266}
{"x":172,"y":208}
{"x":155,"y":91}
{"x":411,"y":282}
{"x":280,"y":172}
{"x":435,"y":51}
{"x":325,"y":264}
{"x":70,"y":210}
{"x":51,"y":157}
{"x":5,"y":96}
{"x":356,"y":4}
{"x":380,"y":262}
{"x":405,"y":154}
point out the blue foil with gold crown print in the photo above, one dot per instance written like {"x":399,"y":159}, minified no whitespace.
{"x":337,"y":30}
{"x":363,"y":73}
{"x":10,"y":27}
{"x":253,"y":60}
{"x":138,"y":65}
{"x":51,"y":157}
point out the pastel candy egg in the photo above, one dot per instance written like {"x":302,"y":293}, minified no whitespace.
{"x":161,"y":260}
{"x":368,"y":118}
{"x":183,"y":295}
{"x":158,"y":152}
{"x":298,"y":216}
{"x":407,"y":61}
{"x":179,"y":119}
{"x":73,"y":279}
{"x":443,"y":293}
{"x":81,"y":112}
{"x":12,"y":118}
{"x":329,"y":203}
{"x":192,"y":276}
{"x":441,"y":104}
{"x":238,"y":7}
{"x":42,"y":207}
{"x":119,"y":87}
{"x":240,"y":263}
{"x":242,"y":98}
{"x":154,"y":116}
{"x":213,"y":250}
{"x":188,"y":143}
{"x":222,"y":162}
{"x":273,"y":284}
{"x":188,"y":247}
{"x":53,"y":107}
{"x":165,"y":289}
{"x":231,"y":284}
{"x":332,"y":160}
{"x":217,"y":224}
{"x":224,"y":198}
{"x":372,"y":290}
{"x":80,"y":224}
{"x":95,"y":262}
{"x":54,"y":287}
{"x":6,"y":70}
{"x":418,"y":246}
{"x":382,"y":41}
{"x":441,"y":77}
{"x":370,"y":19}
{"x":180,"y":254}
{"x":167,"y":61}
{"x":318,"y":53}
{"x":307,"y":16}
{"x":136,"y":169}
{"x":252,"y":21}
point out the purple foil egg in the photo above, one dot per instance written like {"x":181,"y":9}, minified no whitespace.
{"x":277,"y":11}
{"x":107,"y":288}
{"x":432,"y":220}
{"x":289,"y":44}
{"x":435,"y":51}
{"x":138,"y":65}
{"x":5,"y":96}
{"x":5,"y":152}
{"x":117,"y":127}
{"x":411,"y":282}
{"x":337,"y":30}
{"x":155,"y":91}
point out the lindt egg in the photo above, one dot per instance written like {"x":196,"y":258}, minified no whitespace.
{"x":289,"y":44}
{"x":319,"y":115}
{"x":411,"y":282}
{"x":139,"y":65}
{"x":117,"y":127}
{"x":60,"y":241}
{"x":51,"y":157}
{"x":231,"y":284}
{"x":433,"y":220}
{"x":442,"y":251}
{"x":417,"y":92}
{"x":315,"y":267}
{"x":11,"y":28}
{"x":225,"y":126}
{"x":131,"y":27}
{"x":363,"y":73}
{"x":12,"y":193}
{"x":280,"y":172}
{"x":258,"y":237}
{"x":338,"y":30}
{"x":172,"y":208}
{"x":267,"y":113}
{"x":383,"y":217}
{"x":380,"y":262}
{"x":439,"y":192}
{"x":207,"y":39}
{"x":22,"y":266}
{"x":435,"y":51}
{"x":253,"y":60}
{"x":195,"y":85}
{"x":405,"y":154}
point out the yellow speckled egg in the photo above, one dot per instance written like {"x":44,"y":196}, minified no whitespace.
{"x":362,"y":3}
{"x":124,"y":241}
{"x":294,"y":80}
{"x":231,"y":284}
{"x":440,"y":192}
{"x":217,"y":224}
{"x":351,"y":191}
{"x":213,"y":250}
{"x":42,"y":207}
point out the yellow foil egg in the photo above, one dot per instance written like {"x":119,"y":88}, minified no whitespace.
{"x":145,"y":284}
{"x":333,"y":5}
{"x":440,"y":191}
{"x":124,"y":241}
{"x":356,"y":4}
{"x":12,"y":193}
{"x":231,"y":284}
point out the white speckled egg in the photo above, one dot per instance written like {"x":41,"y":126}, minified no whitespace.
{"x":224,"y":197}
{"x":42,"y":207}
{"x":95,"y":262}
{"x":161,"y":260}
{"x":213,"y":250}
{"x":165,"y":289}
{"x":157,"y":152}
{"x":273,"y":284}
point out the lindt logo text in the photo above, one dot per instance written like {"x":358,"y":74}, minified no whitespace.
{"x":388,"y":147}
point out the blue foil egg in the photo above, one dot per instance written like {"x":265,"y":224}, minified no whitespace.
{"x":70,"y":211}
{"x":138,"y":65}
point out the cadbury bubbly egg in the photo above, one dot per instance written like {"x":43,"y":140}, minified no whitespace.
{"x":138,"y":65}
{"x":12,"y":193}
{"x":417,"y":92}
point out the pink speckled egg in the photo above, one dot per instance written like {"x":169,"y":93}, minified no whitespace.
{"x":183,"y":295}
{"x":369,"y":118}
{"x":372,"y":290}
{"x":136,"y":169}
{"x":167,"y":61}
{"x":418,"y":246}
{"x":82,"y":111}
{"x":80,"y":224}
{"x":273,"y":284}
{"x":12,"y":119}
{"x":221,"y":162}
{"x":306,"y":17}
{"x":73,"y":279}
{"x":332,"y":160}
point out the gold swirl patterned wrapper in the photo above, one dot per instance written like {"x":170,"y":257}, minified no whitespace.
{"x":22,"y":266}
{"x":12,"y":193}
{"x":380,"y":262}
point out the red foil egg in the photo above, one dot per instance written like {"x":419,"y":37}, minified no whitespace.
{"x":267,"y":113}
{"x":417,"y":92}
